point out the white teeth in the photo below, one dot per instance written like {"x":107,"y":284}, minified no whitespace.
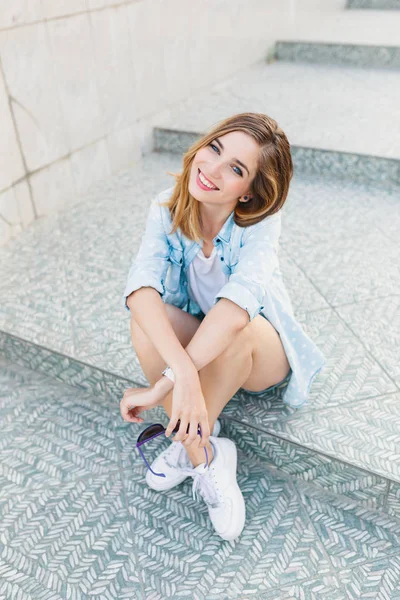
{"x":205,"y":182}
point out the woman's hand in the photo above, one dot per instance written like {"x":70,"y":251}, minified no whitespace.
{"x":135,"y":401}
{"x":188,"y":406}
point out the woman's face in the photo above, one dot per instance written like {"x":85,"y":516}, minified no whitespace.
{"x":218,"y":162}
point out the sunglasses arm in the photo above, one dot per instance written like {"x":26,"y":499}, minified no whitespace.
{"x":175,"y":430}
{"x":144,"y":458}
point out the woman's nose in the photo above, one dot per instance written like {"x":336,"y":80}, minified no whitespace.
{"x":215,"y":173}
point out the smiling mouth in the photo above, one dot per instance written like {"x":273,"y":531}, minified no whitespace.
{"x":215,"y":187}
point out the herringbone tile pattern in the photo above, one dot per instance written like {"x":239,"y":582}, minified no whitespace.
{"x":78,"y":520}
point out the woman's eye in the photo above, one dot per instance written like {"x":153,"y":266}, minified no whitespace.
{"x":240,"y":170}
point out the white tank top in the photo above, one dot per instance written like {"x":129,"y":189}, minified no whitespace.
{"x":205,"y":279}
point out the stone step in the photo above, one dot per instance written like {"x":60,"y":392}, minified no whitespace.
{"x":70,"y":471}
{"x":374,"y":4}
{"x":356,"y":55}
{"x":348,"y":37}
{"x":340,"y":121}
{"x":61,"y":313}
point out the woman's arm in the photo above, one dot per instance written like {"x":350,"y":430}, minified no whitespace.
{"x":144,"y":285}
{"x":216,"y":332}
{"x":149,"y":312}
{"x":152,"y":259}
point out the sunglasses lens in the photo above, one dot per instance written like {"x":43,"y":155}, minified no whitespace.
{"x":150,"y":432}
{"x":176,"y":428}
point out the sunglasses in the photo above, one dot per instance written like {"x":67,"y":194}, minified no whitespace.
{"x":155,"y":430}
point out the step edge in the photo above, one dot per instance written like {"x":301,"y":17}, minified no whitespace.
{"x":388,"y":166}
{"x":7,"y":340}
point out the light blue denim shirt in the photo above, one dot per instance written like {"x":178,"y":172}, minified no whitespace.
{"x":249,"y":256}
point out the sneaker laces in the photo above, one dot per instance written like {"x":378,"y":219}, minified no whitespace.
{"x":204,"y":485}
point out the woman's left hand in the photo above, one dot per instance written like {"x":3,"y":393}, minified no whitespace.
{"x":188,"y":407}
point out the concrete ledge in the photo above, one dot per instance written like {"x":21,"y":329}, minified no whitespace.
{"x":374,"y":4}
{"x":356,"y":55}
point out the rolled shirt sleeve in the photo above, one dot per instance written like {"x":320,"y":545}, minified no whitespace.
{"x":151,"y":263}
{"x":258,"y":259}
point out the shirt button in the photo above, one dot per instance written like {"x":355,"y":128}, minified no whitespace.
{"x":222,"y":258}
{"x":217,"y":240}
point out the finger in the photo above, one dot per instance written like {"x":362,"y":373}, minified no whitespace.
{"x":171,"y":425}
{"x":124,"y":412}
{"x":205,"y":432}
{"x":181,"y":434}
{"x":193,"y":435}
{"x":131,"y":413}
{"x":134,"y":419}
{"x":131,"y":418}
{"x":125,"y":406}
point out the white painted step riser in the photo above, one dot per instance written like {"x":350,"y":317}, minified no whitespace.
{"x":377,"y":28}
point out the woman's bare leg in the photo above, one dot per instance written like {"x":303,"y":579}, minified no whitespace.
{"x":220,"y":379}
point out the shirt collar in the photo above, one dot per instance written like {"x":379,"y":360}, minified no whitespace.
{"x":226,"y":229}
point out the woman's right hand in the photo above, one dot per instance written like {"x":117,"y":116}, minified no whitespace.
{"x":135,"y":401}
{"x":188,"y":406}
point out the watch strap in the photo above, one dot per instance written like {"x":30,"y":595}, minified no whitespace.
{"x":168,"y":372}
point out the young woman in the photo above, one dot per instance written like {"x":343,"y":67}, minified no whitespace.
{"x":207,"y":301}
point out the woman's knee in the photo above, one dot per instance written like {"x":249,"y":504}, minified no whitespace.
{"x":242,"y":345}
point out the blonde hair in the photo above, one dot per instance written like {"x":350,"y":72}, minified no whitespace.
{"x":269,"y":188}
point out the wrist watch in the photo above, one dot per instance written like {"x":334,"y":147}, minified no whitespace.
{"x":168,"y":372}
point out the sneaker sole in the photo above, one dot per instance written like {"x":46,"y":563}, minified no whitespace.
{"x":239,"y":507}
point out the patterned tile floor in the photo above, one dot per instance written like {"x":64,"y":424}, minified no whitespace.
{"x":64,"y":277}
{"x":78,"y":520}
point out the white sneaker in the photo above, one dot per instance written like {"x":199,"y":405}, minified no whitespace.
{"x":218,"y":486}
{"x":171,"y":461}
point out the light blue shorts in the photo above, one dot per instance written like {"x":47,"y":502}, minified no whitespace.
{"x":282,"y":384}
